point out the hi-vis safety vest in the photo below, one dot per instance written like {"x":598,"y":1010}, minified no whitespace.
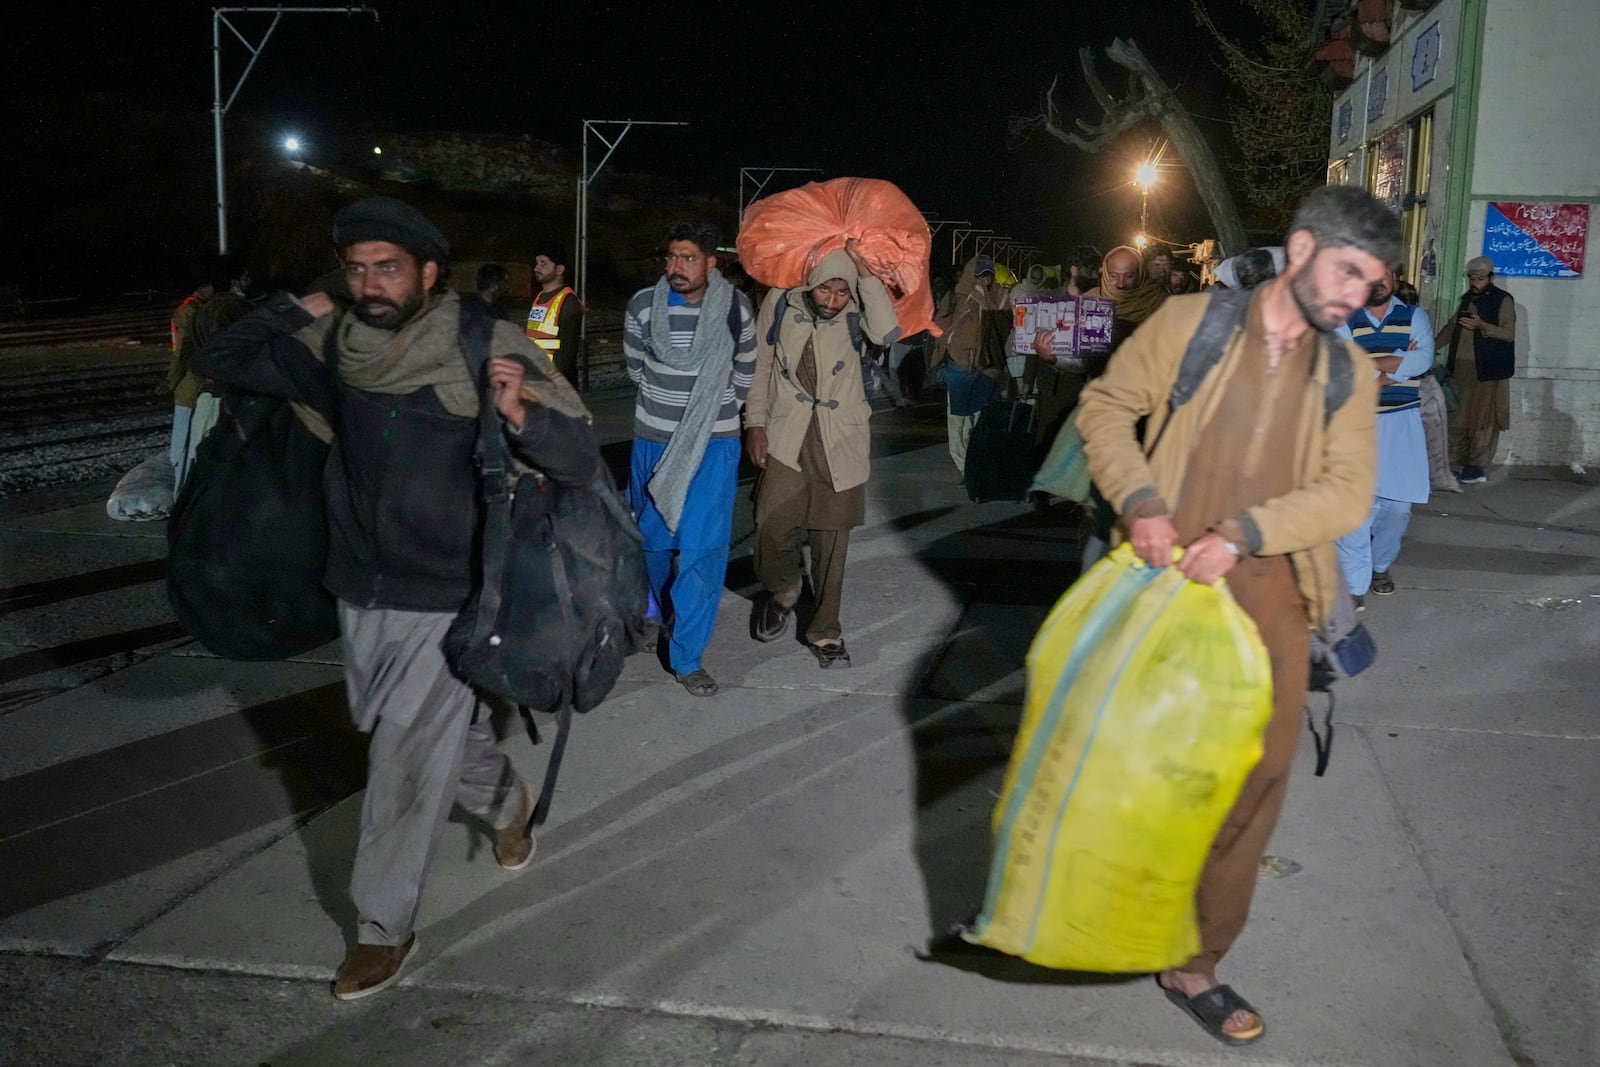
{"x":1389,"y":336}
{"x":544,"y":320}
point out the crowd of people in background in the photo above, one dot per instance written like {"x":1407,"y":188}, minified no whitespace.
{"x":785,"y":381}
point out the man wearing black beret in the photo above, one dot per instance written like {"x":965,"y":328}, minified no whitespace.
{"x":403,"y":516}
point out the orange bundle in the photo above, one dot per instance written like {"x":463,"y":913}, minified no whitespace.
{"x":785,"y":235}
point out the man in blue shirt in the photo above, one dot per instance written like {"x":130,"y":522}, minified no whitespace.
{"x":1400,"y":339}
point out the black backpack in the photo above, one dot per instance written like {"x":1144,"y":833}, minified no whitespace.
{"x":561,"y":594}
{"x":247,"y":539}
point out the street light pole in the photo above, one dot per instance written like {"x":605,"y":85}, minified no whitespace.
{"x":580,"y":237}
{"x":761,"y":183}
{"x":958,"y":238}
{"x":219,"y":18}
{"x":935,"y":225}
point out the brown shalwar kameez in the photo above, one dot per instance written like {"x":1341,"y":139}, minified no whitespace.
{"x":795,"y":507}
{"x":1244,"y":458}
{"x":1484,"y":410}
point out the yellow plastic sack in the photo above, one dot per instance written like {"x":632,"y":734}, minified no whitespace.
{"x":1147,"y":699}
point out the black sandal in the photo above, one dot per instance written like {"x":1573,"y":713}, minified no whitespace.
{"x":699,"y":683}
{"x":830,"y":657}
{"x":1213,"y":1008}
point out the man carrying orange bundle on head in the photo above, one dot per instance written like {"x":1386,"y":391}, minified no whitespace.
{"x":806,"y":427}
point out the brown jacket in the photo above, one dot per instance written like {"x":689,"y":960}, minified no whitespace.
{"x":962,"y":340}
{"x":1337,"y":463}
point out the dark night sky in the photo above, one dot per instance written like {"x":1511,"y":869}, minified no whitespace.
{"x":919,"y":98}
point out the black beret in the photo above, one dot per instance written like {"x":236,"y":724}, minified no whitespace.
{"x":383,"y":218}
{"x":554,"y":251}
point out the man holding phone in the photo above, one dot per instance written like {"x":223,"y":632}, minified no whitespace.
{"x":1482,"y":342}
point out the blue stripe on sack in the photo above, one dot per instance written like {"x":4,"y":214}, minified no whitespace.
{"x":1099,"y":717}
{"x":1101,"y":617}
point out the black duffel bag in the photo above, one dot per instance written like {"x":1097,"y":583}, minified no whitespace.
{"x":247,"y":540}
{"x":561,"y":593}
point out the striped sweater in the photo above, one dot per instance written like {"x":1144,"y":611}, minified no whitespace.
{"x":664,"y":392}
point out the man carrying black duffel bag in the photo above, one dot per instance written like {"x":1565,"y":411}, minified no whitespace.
{"x":404,"y":515}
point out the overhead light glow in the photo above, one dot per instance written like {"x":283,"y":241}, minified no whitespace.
{"x":1145,"y":175}
{"x":291,"y":143}
{"x":377,"y":151}
{"x":1141,"y":240}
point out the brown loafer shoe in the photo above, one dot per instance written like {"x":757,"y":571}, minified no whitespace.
{"x":513,"y":842}
{"x":369,"y":969}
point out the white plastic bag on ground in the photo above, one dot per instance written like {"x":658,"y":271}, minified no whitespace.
{"x":144,"y":493}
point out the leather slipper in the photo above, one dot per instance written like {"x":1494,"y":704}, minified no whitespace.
{"x":1213,"y":1008}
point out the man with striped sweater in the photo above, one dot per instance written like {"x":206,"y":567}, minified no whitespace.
{"x":690,"y":343}
{"x":1399,"y":338}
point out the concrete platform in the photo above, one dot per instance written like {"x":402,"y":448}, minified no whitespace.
{"x":765,"y":877}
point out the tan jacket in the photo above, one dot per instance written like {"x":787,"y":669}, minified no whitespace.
{"x":1337,"y":464}
{"x":776,"y":401}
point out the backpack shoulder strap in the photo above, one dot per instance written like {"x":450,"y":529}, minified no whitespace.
{"x":858,"y":336}
{"x":474,"y":331}
{"x":1225,"y":310}
{"x":1341,"y":377}
{"x":778,"y":314}
{"x":735,"y":319}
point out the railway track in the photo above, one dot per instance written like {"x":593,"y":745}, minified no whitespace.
{"x":146,"y":325}
{"x":79,"y":410}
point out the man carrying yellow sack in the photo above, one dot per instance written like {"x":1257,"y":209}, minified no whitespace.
{"x":1260,"y":450}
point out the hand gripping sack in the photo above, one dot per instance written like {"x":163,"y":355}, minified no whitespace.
{"x":560,"y":600}
{"x":1148,"y":696}
{"x":785,"y":235}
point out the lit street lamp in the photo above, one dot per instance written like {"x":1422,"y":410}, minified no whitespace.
{"x":1144,"y":177}
{"x":291,"y":144}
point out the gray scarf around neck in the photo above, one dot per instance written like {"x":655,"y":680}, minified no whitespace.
{"x":710,"y":357}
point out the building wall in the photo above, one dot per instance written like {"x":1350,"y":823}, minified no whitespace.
{"x":1537,"y":140}
{"x":1535,"y":126}
{"x":1415,"y":75}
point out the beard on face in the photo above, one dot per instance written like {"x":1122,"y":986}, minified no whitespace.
{"x":1322,"y":316}
{"x":819,"y":310}
{"x":386,"y":314}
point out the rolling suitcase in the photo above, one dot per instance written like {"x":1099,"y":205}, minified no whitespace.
{"x":1000,"y":452}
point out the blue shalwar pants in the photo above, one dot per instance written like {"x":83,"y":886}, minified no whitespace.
{"x":1371,"y":548}
{"x":692,"y":591}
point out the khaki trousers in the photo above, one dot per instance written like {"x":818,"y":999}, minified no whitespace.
{"x":431,"y":748}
